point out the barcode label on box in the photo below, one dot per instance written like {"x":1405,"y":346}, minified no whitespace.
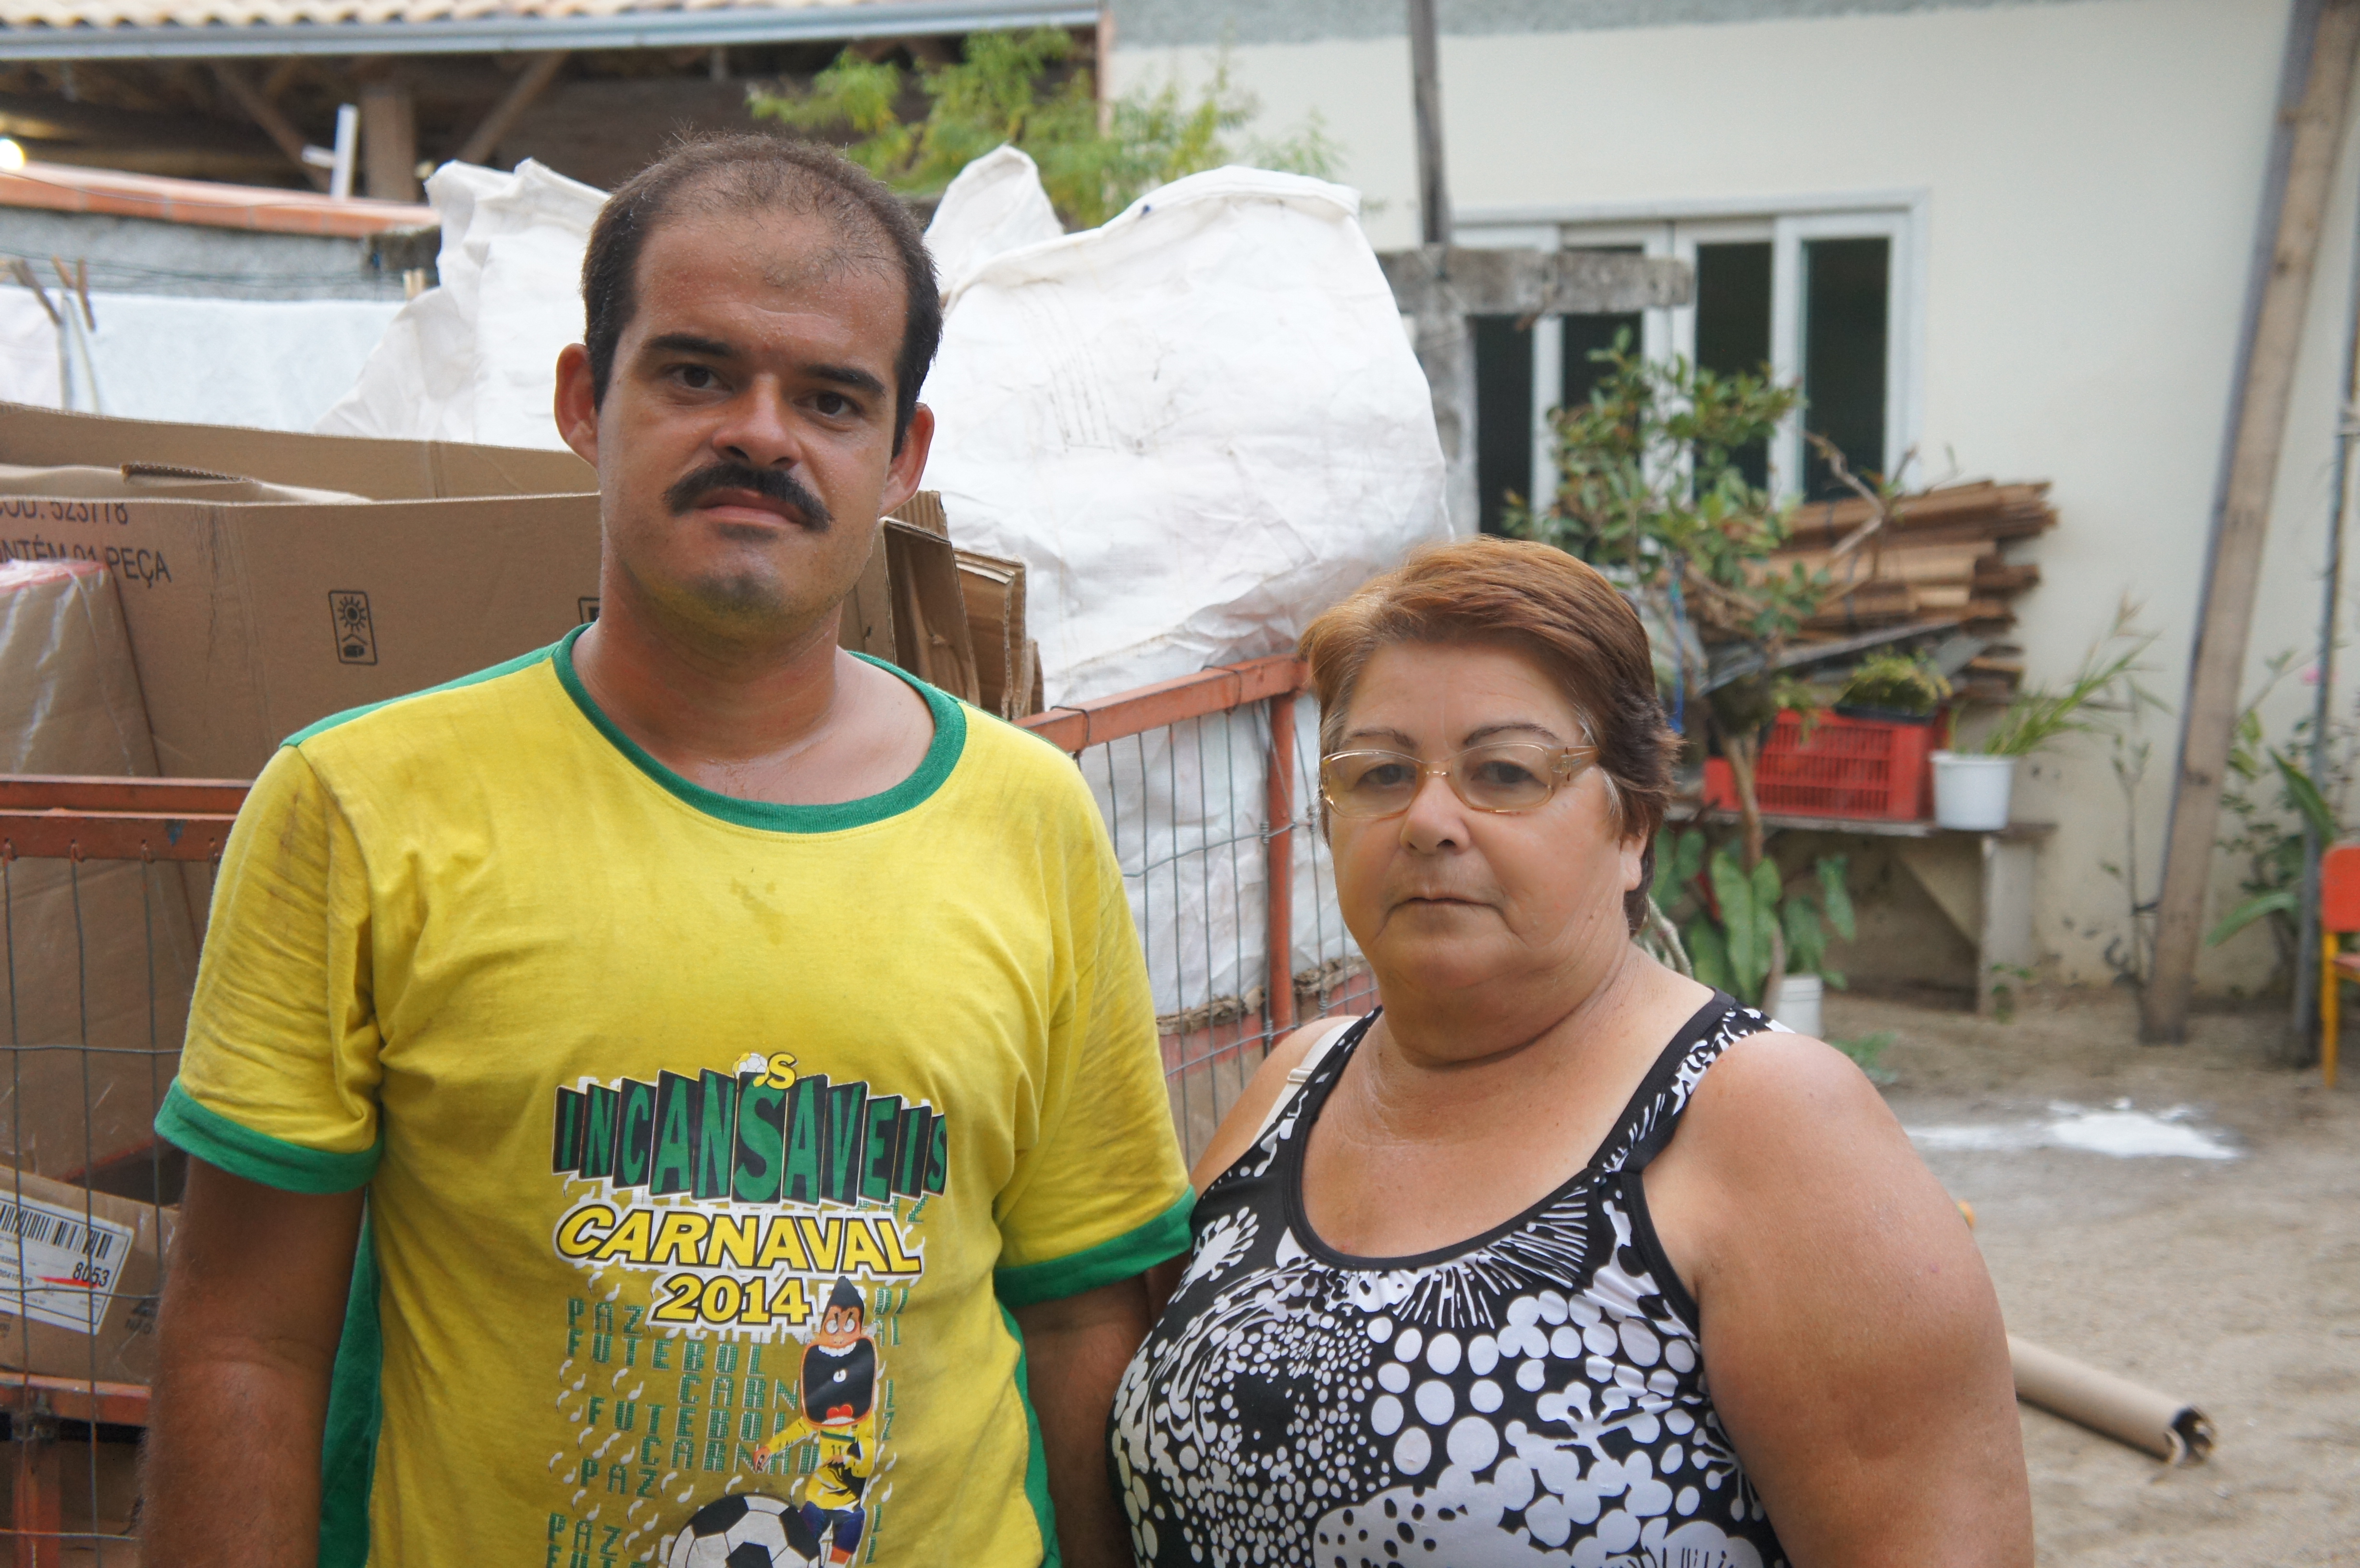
{"x":58,"y":1265}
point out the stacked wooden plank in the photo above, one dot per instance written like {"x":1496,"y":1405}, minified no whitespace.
{"x":1939,"y":556}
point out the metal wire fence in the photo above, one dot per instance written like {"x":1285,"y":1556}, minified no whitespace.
{"x":1207,"y":784}
{"x":103,"y":884}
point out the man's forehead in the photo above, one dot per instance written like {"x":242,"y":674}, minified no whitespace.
{"x":794,"y":245}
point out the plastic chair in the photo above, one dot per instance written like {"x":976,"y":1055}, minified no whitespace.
{"x":2339,"y":913}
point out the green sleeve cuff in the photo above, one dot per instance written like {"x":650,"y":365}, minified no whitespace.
{"x":289,"y":1167}
{"x":1135,"y":1252}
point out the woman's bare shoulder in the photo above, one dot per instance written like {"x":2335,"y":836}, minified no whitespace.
{"x":1238,"y":1128}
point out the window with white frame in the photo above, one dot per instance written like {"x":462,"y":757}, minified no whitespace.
{"x":1826,"y":298}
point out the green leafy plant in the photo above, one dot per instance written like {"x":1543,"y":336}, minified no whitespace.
{"x":1897,"y":683}
{"x":2109,"y":674}
{"x":1754,"y":928}
{"x":1651,"y":490}
{"x":2273,"y":799}
{"x":2007,"y":982}
{"x":1867,"y":1051}
{"x":1019,"y":89}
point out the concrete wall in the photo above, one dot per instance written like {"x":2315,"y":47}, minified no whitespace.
{"x":2088,"y":172}
{"x":147,"y":256}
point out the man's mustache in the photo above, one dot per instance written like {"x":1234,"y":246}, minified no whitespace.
{"x":770,"y":484}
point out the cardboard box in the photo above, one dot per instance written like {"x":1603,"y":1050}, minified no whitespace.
{"x":250,"y":619}
{"x":79,"y":1274}
{"x":103,"y":954}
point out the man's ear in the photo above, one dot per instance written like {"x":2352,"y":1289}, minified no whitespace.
{"x":908,"y":468}
{"x":576,"y":404}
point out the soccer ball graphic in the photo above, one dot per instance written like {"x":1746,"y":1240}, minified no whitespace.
{"x":744,"y":1530}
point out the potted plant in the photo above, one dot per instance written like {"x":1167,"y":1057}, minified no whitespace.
{"x":1753,"y":933}
{"x":1893,"y":686}
{"x":1974,"y":785}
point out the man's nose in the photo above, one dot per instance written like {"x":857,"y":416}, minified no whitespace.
{"x":756,"y":429}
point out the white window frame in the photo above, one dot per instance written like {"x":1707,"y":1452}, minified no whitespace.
{"x":1674,"y":229}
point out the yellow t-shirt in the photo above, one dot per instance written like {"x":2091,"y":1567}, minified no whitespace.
{"x":640,"y":1078}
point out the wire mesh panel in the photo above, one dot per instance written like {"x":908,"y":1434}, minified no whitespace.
{"x":1209,"y":792}
{"x":101,"y":901}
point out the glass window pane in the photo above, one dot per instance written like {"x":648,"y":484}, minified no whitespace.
{"x":1733,"y":325}
{"x":1845,"y":285}
{"x":1504,"y":413}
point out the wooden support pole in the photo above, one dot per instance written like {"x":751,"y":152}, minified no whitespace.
{"x":1278,"y":866}
{"x":389,"y":142}
{"x":1446,"y":347}
{"x":484,"y":139}
{"x":1425,"y":99}
{"x":264,"y":113}
{"x":2225,"y":619}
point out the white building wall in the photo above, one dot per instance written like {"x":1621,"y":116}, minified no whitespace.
{"x":2090,"y":174}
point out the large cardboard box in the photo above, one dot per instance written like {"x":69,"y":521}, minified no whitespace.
{"x":79,"y":1274}
{"x":250,"y":619}
{"x":101,"y":954}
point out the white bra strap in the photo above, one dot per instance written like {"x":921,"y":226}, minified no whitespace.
{"x":1301,"y":1072}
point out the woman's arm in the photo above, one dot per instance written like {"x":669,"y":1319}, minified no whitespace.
{"x":1263,"y":1091}
{"x":1852,"y":1339}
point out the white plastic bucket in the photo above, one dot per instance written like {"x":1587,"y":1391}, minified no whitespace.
{"x":1797,"y":1005}
{"x":1972,"y":792}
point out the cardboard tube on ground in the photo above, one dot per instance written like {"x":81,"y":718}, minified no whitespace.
{"x":2170,"y":1428}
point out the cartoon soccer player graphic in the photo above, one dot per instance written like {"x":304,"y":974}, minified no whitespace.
{"x":839,"y":1408}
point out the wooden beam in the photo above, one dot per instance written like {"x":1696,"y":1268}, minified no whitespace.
{"x":485,"y":138}
{"x":2225,"y":619}
{"x":274,"y":125}
{"x":389,"y":141}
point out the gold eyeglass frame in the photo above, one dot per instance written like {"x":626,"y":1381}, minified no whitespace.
{"x":1565,"y":765}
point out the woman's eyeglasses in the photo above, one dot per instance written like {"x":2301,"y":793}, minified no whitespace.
{"x":1508,"y":776}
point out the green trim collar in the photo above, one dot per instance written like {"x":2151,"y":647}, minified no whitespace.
{"x":521,"y":661}
{"x":1160,"y":1239}
{"x":942,"y":755}
{"x":240,"y":1151}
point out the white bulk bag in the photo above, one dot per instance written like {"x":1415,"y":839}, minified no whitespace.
{"x":475,"y":359}
{"x":1198,"y":426}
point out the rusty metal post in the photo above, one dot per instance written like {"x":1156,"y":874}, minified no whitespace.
{"x":1278,"y":865}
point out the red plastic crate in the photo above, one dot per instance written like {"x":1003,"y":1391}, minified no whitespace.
{"x":1848,"y":767}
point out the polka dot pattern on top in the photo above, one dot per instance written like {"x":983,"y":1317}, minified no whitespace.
{"x":1535,"y":1397}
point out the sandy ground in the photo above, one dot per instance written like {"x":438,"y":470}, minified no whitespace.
{"x":2233,"y":1283}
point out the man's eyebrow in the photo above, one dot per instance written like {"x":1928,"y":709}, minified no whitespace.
{"x":850,"y":376}
{"x":689,"y":342}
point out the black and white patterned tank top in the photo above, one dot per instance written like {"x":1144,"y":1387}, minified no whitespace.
{"x":1533,"y":1397}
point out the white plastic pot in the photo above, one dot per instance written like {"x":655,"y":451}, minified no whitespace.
{"x":1972,"y":792}
{"x":1797,"y":1005}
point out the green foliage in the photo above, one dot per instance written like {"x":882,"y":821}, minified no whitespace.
{"x":2273,"y":800}
{"x":1649,"y":483}
{"x":1754,"y":923}
{"x":1006,"y":89}
{"x":2109,"y":674}
{"x":1897,"y":683}
{"x":1867,"y":1052}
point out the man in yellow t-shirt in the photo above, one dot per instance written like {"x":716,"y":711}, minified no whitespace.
{"x":744,"y":1049}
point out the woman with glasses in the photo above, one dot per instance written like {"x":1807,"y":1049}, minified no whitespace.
{"x":1556,"y":1257}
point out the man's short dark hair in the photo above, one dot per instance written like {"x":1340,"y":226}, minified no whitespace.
{"x":753,"y":172}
